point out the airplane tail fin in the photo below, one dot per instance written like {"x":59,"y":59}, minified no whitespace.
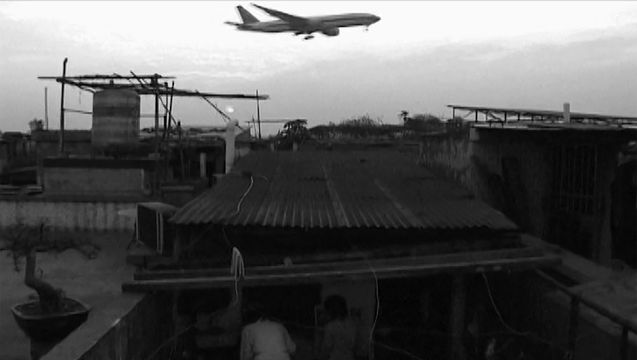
{"x":246,"y":16}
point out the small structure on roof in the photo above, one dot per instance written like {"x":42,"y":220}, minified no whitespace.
{"x":175,"y":154}
{"x":565,"y":176}
{"x":502,"y":115}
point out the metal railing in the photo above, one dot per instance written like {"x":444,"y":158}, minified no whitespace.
{"x":576,"y":300}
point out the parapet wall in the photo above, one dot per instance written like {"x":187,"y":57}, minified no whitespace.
{"x":138,"y":334}
{"x":67,"y":215}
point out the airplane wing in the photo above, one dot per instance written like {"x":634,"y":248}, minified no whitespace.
{"x":291,"y":19}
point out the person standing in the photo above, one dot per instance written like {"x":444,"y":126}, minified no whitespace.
{"x":340,"y":333}
{"x":265,"y":339}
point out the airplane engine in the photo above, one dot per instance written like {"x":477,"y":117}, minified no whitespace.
{"x":331,"y":32}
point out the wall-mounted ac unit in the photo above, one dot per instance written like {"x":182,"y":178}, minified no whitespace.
{"x":153,"y":228}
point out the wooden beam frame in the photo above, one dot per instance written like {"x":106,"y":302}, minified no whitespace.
{"x":359,"y":270}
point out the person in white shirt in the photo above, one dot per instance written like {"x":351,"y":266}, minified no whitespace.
{"x":265,"y":339}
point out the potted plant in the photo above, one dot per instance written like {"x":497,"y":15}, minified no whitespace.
{"x":52,"y":315}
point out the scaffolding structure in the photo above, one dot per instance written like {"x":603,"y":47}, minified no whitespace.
{"x":143,"y":84}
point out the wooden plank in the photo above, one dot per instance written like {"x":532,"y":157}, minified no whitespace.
{"x":473,"y":256}
{"x":363,"y":273}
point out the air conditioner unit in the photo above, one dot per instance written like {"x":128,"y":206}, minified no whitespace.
{"x":153,"y":228}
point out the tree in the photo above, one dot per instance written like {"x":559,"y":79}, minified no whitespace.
{"x":22,"y":240}
{"x":423,"y":123}
{"x":294,"y":132}
{"x":362,"y":121}
{"x":404,"y":116}
{"x":36,"y":125}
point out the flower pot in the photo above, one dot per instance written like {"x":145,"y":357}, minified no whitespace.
{"x":54,"y":326}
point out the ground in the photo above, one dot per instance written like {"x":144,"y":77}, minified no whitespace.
{"x":95,"y":282}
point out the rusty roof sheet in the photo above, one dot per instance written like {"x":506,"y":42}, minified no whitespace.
{"x":332,"y":189}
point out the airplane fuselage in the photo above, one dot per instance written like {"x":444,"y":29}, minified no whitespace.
{"x":314,"y":24}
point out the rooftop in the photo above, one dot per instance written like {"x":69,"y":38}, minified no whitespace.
{"x":384,"y":188}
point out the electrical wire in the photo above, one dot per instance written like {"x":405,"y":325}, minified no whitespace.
{"x":177,"y":335}
{"x":237,"y":269}
{"x":237,"y":211}
{"x":497,"y":311}
{"x":527,"y":334}
{"x":375,"y":322}
{"x":243,"y":197}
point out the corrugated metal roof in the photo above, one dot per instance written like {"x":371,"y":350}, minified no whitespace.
{"x":334,"y":189}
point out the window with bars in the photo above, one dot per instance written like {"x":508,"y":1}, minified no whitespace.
{"x":575,"y":179}
{"x":575,"y":200}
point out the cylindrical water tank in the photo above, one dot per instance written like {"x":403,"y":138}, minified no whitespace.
{"x":115,"y":117}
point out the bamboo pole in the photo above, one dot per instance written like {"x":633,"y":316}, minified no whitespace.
{"x":61,"y":141}
{"x":164,"y":135}
{"x":170,"y":109}
{"x":258,"y":114}
{"x":46,"y":108}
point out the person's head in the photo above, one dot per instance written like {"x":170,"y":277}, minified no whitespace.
{"x":336,"y":307}
{"x":253,"y":312}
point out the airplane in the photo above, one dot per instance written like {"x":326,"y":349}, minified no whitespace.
{"x":328,"y":25}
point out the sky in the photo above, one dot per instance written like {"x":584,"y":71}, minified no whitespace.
{"x":420,"y":57}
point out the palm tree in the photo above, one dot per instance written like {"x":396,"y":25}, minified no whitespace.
{"x":403,"y":115}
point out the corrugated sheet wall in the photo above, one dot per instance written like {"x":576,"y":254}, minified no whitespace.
{"x":89,"y":216}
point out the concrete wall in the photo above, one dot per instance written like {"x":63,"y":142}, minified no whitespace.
{"x":86,"y":181}
{"x":134,"y":336}
{"x":451,"y":156}
{"x":67,"y":215}
{"x":512,"y":170}
{"x":511,"y":175}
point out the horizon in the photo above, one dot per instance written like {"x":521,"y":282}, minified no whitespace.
{"x":420,"y":57}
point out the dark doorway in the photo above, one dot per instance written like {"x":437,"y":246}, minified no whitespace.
{"x":624,"y":213}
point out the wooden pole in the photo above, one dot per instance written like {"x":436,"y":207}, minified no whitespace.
{"x":457,"y":317}
{"x":181,"y":153}
{"x":164,"y":134}
{"x":258,"y":115}
{"x":170,"y":108}
{"x":61,"y":144}
{"x":155,"y":83}
{"x":156,"y":88}
{"x":46,"y":108}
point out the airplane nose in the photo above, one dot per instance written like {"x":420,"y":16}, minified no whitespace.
{"x":376,"y":18}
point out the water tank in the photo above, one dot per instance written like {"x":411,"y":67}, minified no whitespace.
{"x":115,"y":117}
